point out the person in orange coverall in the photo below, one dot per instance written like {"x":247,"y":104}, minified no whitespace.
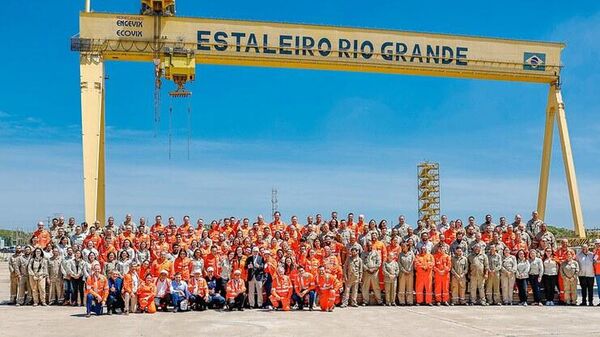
{"x":441,"y":269}
{"x":326,"y":284}
{"x":145,"y":294}
{"x":424,"y":263}
{"x":281,"y":290}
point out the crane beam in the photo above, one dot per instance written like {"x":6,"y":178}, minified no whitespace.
{"x":253,"y":43}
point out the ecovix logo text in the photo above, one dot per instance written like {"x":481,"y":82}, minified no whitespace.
{"x":534,"y":61}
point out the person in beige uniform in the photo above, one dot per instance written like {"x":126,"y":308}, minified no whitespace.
{"x":372,"y":262}
{"x":390,"y":277}
{"x":55,"y":277}
{"x":460,"y":268}
{"x":353,"y":272}
{"x":478,"y":273}
{"x":492,"y":284}
{"x":13,"y":269}
{"x":38,"y":275}
{"x":406,"y":276}
{"x":569,"y":270}
{"x":508,"y":276}
{"x":24,"y":292}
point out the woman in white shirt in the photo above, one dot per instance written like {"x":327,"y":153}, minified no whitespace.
{"x":536,"y":271}
{"x":550,"y":277}
{"x":522,"y":275}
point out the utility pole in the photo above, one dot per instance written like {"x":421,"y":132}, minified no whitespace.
{"x":274,"y":201}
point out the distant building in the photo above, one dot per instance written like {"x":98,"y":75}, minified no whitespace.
{"x":1,"y":243}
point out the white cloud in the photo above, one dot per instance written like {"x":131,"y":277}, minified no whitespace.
{"x":40,"y":180}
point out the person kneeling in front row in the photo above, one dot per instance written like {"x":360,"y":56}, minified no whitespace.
{"x":236,"y":292}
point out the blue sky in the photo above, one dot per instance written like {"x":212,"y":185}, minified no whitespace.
{"x":327,"y":140}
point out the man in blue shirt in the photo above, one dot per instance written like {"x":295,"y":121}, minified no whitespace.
{"x":179,"y":293}
{"x":215,"y":289}
{"x":115,"y":288}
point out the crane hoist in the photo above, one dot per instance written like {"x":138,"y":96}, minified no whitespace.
{"x":175,"y":63}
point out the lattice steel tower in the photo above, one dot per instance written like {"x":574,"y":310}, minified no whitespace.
{"x":428,"y":175}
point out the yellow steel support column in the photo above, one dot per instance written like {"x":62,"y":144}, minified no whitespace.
{"x":546,"y":153}
{"x":565,"y":143}
{"x":92,"y":131}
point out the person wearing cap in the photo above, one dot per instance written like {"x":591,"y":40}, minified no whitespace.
{"x":585,"y":258}
{"x":13,"y":269}
{"x":478,"y":274}
{"x":163,"y":290}
{"x":215,"y":289}
{"x":114,"y":300}
{"x":304,"y":285}
{"x":131,"y":283}
{"x":96,"y":291}
{"x":198,"y":289}
{"x":281,"y":293}
{"x":255,"y":265}
{"x":236,"y":292}
{"x":371,"y":263}
{"x":146,"y":293}
{"x":353,"y":272}
{"x":179,"y":293}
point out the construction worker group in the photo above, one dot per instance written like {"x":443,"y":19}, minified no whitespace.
{"x":233,"y":264}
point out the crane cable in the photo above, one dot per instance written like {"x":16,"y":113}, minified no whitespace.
{"x":189,"y":116}
{"x":189,"y":127}
{"x":170,"y":125}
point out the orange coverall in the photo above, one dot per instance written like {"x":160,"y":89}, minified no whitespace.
{"x":443,"y":264}
{"x":145,"y":294}
{"x":424,"y":263}
{"x":326,"y":285}
{"x":281,"y":292}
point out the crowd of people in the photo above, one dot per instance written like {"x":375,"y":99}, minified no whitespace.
{"x":233,"y":264}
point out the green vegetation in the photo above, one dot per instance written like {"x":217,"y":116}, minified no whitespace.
{"x":562,"y":233}
{"x":10,"y":236}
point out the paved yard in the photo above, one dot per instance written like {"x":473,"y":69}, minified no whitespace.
{"x":370,"y":321}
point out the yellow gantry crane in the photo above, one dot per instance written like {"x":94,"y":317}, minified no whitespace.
{"x":175,"y":45}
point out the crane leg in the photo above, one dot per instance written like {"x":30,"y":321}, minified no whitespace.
{"x":92,"y":133}
{"x":546,"y":154}
{"x":565,"y":143}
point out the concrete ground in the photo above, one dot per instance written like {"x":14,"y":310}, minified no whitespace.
{"x":369,"y":321}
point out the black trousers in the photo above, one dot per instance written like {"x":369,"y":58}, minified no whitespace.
{"x":77,"y":285}
{"x":550,"y":282}
{"x":237,"y":302}
{"x":164,"y":301}
{"x":587,"y":289}
{"x":522,"y":286}
{"x":115,"y":301}
{"x":199,"y":302}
